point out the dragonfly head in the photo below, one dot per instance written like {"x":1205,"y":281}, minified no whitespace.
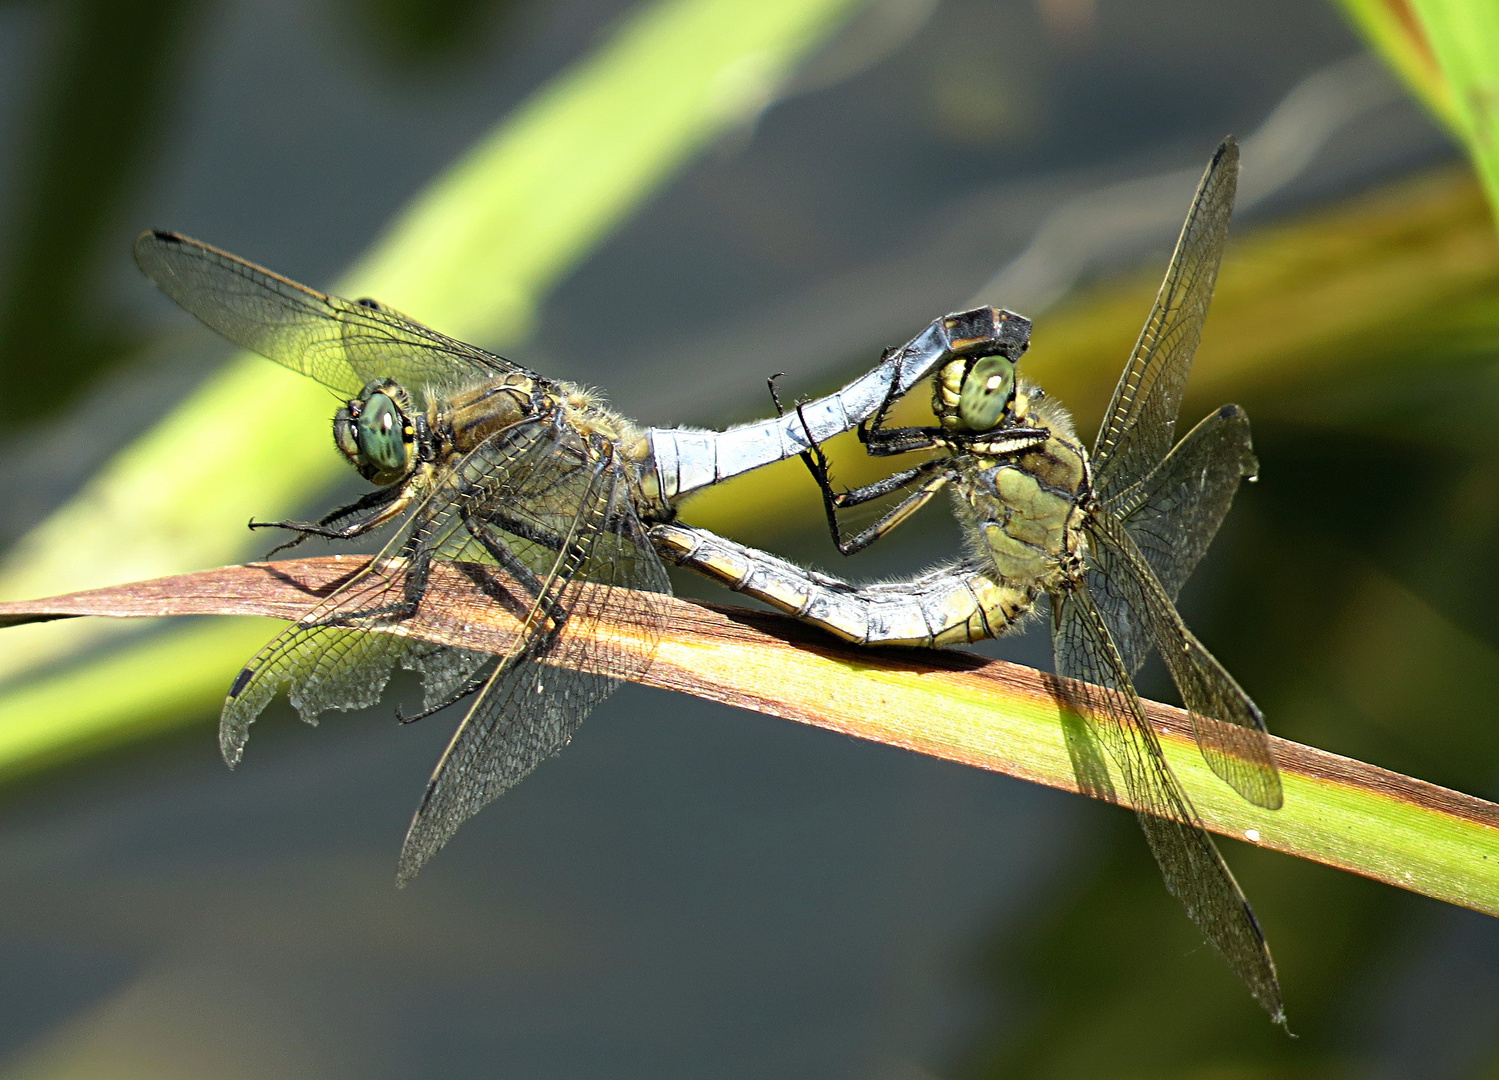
{"x":374,"y":431}
{"x":975,"y":393}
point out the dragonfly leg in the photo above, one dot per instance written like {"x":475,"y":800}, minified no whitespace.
{"x":878,"y":441}
{"x":543,"y":538}
{"x":522,"y":574}
{"x":937,"y":474}
{"x":934,"y":474}
{"x":413,"y":588}
{"x":387,"y":502}
{"x":881,"y":441}
{"x":813,"y":458}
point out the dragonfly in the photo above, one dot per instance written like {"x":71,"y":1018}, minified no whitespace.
{"x":1107,"y":537}
{"x":534,"y":485}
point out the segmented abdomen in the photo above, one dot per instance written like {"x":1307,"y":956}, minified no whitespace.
{"x":953,"y":605}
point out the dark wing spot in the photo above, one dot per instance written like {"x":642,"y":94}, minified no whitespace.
{"x":240,"y":682}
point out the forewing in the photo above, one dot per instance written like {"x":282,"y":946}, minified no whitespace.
{"x":1228,"y":726}
{"x":343,"y":344}
{"x":1173,"y":513}
{"x":603,"y":562}
{"x":332,"y":658}
{"x":1102,"y":694}
{"x":1141,"y":419}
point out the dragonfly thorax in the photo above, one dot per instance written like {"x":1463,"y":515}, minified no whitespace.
{"x":585,"y":410}
{"x":375,"y":432}
{"x":1025,"y":508}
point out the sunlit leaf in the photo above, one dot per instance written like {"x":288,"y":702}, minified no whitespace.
{"x":1448,"y":53}
{"x":950,"y":705}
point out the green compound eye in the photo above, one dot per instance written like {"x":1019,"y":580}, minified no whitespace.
{"x":987,"y":390}
{"x":381,"y":435}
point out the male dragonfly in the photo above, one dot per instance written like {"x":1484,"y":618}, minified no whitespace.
{"x":1109,"y":537}
{"x":481,"y":462}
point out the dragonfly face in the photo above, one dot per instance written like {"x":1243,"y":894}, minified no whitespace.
{"x":976,"y":394}
{"x":375,"y":431}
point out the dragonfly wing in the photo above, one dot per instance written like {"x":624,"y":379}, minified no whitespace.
{"x":601,"y":562}
{"x":1227,"y":724}
{"x":1140,"y":421}
{"x":1102,"y":694}
{"x":343,"y":344}
{"x":1174,"y":512}
{"x":333,"y":657}
{"x":321,"y":667}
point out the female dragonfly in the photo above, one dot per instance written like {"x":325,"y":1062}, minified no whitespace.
{"x":1107,"y":536}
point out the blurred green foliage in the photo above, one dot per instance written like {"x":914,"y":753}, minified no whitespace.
{"x":93,"y":130}
{"x":1445,"y":50}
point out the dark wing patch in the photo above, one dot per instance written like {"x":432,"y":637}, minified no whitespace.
{"x":343,"y":344}
{"x":1139,"y":425}
{"x":1102,"y":694}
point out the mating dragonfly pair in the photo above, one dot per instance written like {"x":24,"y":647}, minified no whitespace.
{"x":482,"y":463}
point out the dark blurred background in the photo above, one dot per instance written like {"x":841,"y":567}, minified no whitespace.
{"x":690,"y":890}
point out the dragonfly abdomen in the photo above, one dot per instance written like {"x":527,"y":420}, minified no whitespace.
{"x":949,"y":606}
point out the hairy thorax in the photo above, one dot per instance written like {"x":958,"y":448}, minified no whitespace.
{"x":1026,"y":507}
{"x":468,"y":417}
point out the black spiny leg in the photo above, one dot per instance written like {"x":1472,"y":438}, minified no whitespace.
{"x":523,"y":576}
{"x":879,"y":442}
{"x":413,"y":588}
{"x":819,"y":467}
{"x":888,"y":442}
{"x":934,"y":474}
{"x":387,"y":502}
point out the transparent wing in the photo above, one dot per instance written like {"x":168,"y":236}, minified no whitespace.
{"x":329,"y":659}
{"x":343,"y":344}
{"x":1141,"y":419}
{"x":1228,"y":726}
{"x":1173,"y":513}
{"x":556,"y":516}
{"x":1102,"y":694}
{"x":602,"y":562}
